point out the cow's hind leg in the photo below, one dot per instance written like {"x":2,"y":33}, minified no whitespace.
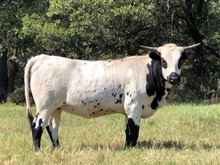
{"x":37,"y":126}
{"x":52,"y":127}
{"x":132,"y":131}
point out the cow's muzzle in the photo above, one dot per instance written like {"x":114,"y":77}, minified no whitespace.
{"x":173,"y":78}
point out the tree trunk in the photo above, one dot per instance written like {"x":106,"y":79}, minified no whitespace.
{"x":3,"y":77}
{"x":194,"y":33}
{"x":12,"y":72}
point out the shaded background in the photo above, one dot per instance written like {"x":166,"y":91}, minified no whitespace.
{"x":104,"y":29}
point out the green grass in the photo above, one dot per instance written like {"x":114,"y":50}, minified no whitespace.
{"x":176,"y":134}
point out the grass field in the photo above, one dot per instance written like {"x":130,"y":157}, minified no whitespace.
{"x":176,"y":134}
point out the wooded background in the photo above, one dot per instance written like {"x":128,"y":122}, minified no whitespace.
{"x":104,"y":29}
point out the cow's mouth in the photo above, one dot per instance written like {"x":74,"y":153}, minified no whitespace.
{"x":173,"y":79}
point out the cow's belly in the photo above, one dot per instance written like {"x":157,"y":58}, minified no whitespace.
{"x":91,"y":111}
{"x":95,"y":100}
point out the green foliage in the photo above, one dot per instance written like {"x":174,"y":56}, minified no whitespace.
{"x":17,"y":96}
{"x":11,"y":14}
{"x":214,"y":7}
{"x":89,"y":28}
{"x":103,"y":29}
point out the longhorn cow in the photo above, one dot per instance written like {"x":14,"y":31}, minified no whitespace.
{"x":134,"y":86}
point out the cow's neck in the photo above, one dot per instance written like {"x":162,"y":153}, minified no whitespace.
{"x":155,"y":80}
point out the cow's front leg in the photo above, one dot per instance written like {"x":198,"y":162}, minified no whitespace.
{"x":133,"y":110}
{"x":52,"y":127}
{"x":132,"y":131}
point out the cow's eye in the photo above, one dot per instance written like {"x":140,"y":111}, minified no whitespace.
{"x":164,"y":63}
{"x":180,"y":63}
{"x":181,"y":60}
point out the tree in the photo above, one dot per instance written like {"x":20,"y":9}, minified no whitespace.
{"x":11,"y":14}
{"x":87,"y":29}
{"x":3,"y":76}
{"x":97,"y":29}
{"x":9,"y":25}
{"x":188,"y":21}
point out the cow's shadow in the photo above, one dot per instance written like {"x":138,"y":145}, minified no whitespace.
{"x":150,"y":144}
{"x":177,"y":145}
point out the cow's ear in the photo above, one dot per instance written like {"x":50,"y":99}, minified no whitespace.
{"x":183,"y":56}
{"x":188,"y":54}
{"x":154,"y":56}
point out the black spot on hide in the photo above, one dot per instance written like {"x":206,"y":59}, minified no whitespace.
{"x":37,"y":115}
{"x":113,"y":94}
{"x":155,"y":82}
{"x":128,"y":94}
{"x":142,"y":106}
{"x":119,"y":100}
{"x":154,"y":103}
{"x":163,"y":63}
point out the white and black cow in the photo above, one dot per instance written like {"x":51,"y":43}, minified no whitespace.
{"x":134,"y":86}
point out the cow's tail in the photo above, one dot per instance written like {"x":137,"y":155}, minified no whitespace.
{"x":28,"y":67}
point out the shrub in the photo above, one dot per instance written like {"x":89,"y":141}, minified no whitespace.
{"x":18,"y":96}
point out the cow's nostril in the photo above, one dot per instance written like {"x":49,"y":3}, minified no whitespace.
{"x":173,"y":78}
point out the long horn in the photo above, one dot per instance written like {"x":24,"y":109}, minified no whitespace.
{"x":191,"y":46}
{"x":150,"y":48}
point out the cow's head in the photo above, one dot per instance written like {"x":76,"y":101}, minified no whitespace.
{"x":171,"y":57}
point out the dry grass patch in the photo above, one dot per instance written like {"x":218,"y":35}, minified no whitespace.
{"x":176,"y":134}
